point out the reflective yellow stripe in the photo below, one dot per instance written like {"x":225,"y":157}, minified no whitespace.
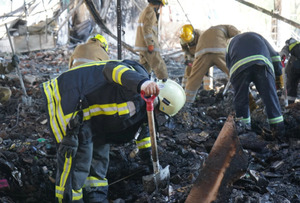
{"x":276,"y":59}
{"x":278,"y":119}
{"x":65,"y":174}
{"x":117,"y":73}
{"x":105,"y":109}
{"x":249,"y":59}
{"x":51,"y":109}
{"x":143,"y":143}
{"x":95,"y":182}
{"x":59,"y":192}
{"x":77,"y":194}
{"x":291,"y":46}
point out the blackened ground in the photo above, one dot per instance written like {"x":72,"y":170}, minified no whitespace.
{"x":28,"y":162}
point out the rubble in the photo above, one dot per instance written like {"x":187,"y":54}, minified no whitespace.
{"x":28,"y":160}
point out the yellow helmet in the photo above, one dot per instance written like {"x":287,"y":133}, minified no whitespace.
{"x":187,"y":33}
{"x":102,"y":40}
{"x":171,"y":97}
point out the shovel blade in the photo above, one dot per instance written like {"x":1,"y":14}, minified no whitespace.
{"x":157,"y":180}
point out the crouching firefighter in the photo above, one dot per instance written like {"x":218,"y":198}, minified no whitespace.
{"x":96,"y":104}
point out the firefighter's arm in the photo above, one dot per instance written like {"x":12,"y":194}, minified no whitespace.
{"x":125,"y":75}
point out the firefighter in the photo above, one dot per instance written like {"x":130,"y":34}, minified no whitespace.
{"x":188,"y":41}
{"x":210,"y":51}
{"x":146,"y":42}
{"x":291,"y":51}
{"x":250,"y":58}
{"x":95,"y":49}
{"x":96,"y":104}
{"x":5,"y":92}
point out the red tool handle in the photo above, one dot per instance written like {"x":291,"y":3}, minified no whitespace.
{"x":282,"y":61}
{"x":149,"y":101}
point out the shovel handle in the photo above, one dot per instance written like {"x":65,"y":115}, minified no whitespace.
{"x":149,"y":101}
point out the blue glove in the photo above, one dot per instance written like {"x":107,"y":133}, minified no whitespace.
{"x":68,"y":145}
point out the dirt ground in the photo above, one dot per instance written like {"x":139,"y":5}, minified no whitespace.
{"x":28,"y":161}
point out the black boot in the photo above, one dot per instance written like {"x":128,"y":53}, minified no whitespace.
{"x":278,"y":132}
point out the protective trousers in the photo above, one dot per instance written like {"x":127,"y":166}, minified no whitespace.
{"x":72,"y":172}
{"x":293,"y":78}
{"x":200,"y":67}
{"x":153,"y":61}
{"x":265,"y":84}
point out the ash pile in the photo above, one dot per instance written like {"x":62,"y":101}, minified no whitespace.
{"x":267,"y":171}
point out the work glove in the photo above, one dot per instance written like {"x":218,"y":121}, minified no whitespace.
{"x":150,"y":48}
{"x":279,"y":82}
{"x":69,"y":145}
{"x":15,"y":60}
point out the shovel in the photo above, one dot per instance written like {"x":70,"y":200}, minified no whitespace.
{"x":160,"y":177}
{"x":284,"y":83}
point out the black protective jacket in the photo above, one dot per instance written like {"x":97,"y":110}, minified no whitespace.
{"x":106,"y":91}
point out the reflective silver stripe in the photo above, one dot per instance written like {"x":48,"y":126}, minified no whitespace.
{"x":210,"y":50}
{"x":77,"y":195}
{"x":249,"y":59}
{"x":276,"y":120}
{"x":190,"y":96}
{"x":276,"y":59}
{"x":66,"y":171}
{"x":144,"y":143}
{"x":59,"y":192}
{"x":55,"y":114}
{"x":95,"y":182}
{"x":131,"y":108}
{"x":148,"y":36}
{"x":153,"y":27}
{"x":117,"y":73}
{"x":84,"y":60}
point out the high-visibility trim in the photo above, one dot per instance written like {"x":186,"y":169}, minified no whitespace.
{"x":77,"y":195}
{"x":246,"y":120}
{"x":276,"y":58}
{"x":210,"y":50}
{"x":291,"y":46}
{"x":190,"y":95}
{"x":249,"y":59}
{"x":276,"y":120}
{"x":59,"y":192}
{"x":143,"y":143}
{"x":66,"y":171}
{"x":117,"y":73}
{"x":90,"y":64}
{"x":105,"y":109}
{"x":148,"y":36}
{"x":83,"y":60}
{"x":92,"y":181}
{"x":142,"y":25}
{"x":54,"y":123}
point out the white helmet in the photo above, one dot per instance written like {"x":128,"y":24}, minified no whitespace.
{"x":171,"y":97}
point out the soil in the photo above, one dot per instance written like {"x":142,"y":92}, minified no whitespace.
{"x":28,"y":152}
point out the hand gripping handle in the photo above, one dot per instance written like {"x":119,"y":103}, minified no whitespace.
{"x":149,"y":101}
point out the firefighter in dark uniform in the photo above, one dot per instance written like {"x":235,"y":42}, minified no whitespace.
{"x":250,"y":58}
{"x":93,"y":105}
{"x":291,"y":51}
